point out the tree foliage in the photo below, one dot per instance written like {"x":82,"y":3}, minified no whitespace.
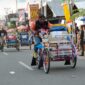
{"x":80,"y":13}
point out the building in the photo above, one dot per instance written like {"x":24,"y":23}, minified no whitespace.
{"x":49,"y":8}
{"x":55,"y":7}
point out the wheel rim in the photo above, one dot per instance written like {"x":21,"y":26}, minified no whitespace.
{"x":37,"y":61}
{"x":46,"y":63}
{"x":73,"y":62}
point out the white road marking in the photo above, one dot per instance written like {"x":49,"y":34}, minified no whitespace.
{"x":26,"y":66}
{"x":74,"y":76}
{"x":12,"y":72}
{"x":5,"y":53}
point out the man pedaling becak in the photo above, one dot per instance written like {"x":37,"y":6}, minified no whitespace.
{"x":37,"y":41}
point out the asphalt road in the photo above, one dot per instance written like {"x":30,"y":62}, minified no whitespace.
{"x":15,"y":69}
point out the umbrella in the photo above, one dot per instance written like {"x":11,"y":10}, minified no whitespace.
{"x":82,"y":19}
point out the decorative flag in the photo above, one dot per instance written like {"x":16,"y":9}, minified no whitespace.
{"x":66,"y":12}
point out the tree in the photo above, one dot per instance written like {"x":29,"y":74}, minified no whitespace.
{"x":80,"y":13}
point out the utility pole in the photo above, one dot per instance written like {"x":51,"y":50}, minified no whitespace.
{"x":71,"y":4}
{"x":71,"y":11}
{"x":41,"y":7}
{"x":6,"y":12}
{"x":16,"y":6}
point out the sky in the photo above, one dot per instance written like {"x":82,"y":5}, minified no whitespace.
{"x":10,"y":5}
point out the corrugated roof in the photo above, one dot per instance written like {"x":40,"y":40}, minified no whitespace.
{"x":55,"y":6}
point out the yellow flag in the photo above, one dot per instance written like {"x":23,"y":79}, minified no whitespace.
{"x":66,"y":12}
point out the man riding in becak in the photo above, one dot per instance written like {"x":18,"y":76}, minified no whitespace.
{"x":37,"y":41}
{"x":40,"y":25}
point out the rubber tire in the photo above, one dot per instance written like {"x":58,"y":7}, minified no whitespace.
{"x":48,"y":69}
{"x":2,"y":49}
{"x":75,"y":61}
{"x":40,"y":62}
{"x":17,"y":48}
{"x":30,"y":46}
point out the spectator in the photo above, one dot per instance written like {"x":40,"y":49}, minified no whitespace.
{"x":82,"y":41}
{"x":76,"y":31}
